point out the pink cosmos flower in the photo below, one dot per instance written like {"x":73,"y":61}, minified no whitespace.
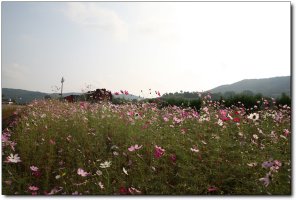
{"x":126,"y":92}
{"x":133,"y":148}
{"x":176,"y":120}
{"x":165,"y":119}
{"x":286,"y":132}
{"x":81,"y":172}
{"x":116,"y":93}
{"x":158,"y":151}
{"x":33,"y":188}
{"x":34,"y":169}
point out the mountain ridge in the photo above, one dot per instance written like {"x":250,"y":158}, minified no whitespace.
{"x":272,"y":87}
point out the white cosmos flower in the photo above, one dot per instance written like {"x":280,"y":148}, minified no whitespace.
{"x":99,"y":172}
{"x":220,"y":122}
{"x":255,"y":136}
{"x":194,"y":150}
{"x":124,"y":170}
{"x":254,"y":116}
{"x":101,"y":185}
{"x":13,"y":158}
{"x":252,"y":164}
{"x":105,"y":164}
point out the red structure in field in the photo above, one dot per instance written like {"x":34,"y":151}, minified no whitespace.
{"x":72,"y":98}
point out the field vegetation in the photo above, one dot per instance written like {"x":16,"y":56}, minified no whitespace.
{"x":56,"y":148}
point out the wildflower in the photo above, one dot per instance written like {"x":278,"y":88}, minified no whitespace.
{"x":252,"y":164}
{"x":36,"y":174}
{"x":220,"y":122}
{"x":267,"y":164}
{"x":176,"y":120}
{"x":165,"y":119}
{"x":124,"y":170}
{"x":277,"y":163}
{"x":99,"y":172}
{"x":13,"y":158}
{"x":133,"y":148}
{"x":34,"y":169}
{"x":81,"y":172}
{"x":158,"y":151}
{"x":33,"y":188}
{"x":236,"y":119}
{"x":101,"y":185}
{"x":173,"y":158}
{"x":116,"y":93}
{"x":57,"y":177}
{"x":134,"y":190}
{"x":105,"y":164}
{"x":204,"y":142}
{"x":136,"y":115}
{"x":254,"y":116}
{"x":114,"y":147}
{"x":123,"y":190}
{"x":266,"y":180}
{"x":286,"y":132}
{"x":55,"y":190}
{"x":212,"y":189}
{"x":255,"y":136}
{"x":194,"y":150}
{"x":115,"y":153}
{"x":282,"y":136}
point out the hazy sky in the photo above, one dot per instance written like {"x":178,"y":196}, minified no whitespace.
{"x":169,"y":46}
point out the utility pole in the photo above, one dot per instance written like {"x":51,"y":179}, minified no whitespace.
{"x":62,"y":81}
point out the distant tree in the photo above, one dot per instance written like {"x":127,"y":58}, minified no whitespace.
{"x":248,"y":93}
{"x":229,"y":94}
{"x":46,"y":97}
{"x":284,"y":100}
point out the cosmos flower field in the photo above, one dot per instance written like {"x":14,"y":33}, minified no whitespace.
{"x":59,"y":148}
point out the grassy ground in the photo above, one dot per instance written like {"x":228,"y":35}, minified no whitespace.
{"x":81,"y":148}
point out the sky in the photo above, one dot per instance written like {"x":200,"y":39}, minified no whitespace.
{"x":134,"y":46}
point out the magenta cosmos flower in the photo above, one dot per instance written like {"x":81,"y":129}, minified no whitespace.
{"x":158,"y":151}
